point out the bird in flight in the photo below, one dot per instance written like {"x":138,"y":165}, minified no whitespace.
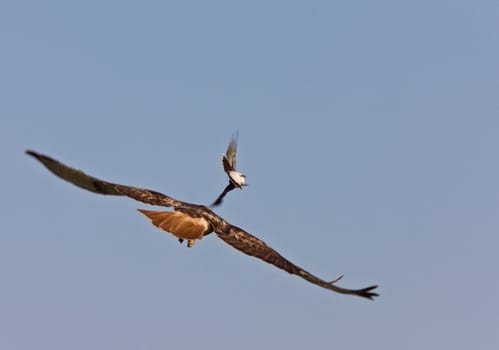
{"x":236,"y":179}
{"x":192,"y":222}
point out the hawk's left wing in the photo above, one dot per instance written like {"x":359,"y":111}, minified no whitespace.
{"x":152,"y":197}
{"x":90,"y":183}
{"x":76,"y":177}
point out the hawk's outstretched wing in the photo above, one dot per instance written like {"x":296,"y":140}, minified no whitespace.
{"x":251,"y":245}
{"x":76,"y":177}
{"x":90,"y":183}
{"x":232,"y":235}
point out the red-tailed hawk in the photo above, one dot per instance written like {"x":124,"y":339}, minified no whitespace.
{"x":191,"y":222}
{"x":236,"y":179}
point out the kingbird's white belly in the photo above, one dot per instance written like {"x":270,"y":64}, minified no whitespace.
{"x":237,"y":177}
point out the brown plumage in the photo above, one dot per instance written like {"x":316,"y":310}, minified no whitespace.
{"x":192,"y":221}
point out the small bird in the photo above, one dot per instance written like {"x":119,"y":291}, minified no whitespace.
{"x":192,"y":222}
{"x":236,"y":179}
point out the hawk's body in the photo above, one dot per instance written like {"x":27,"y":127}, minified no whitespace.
{"x":192,"y":221}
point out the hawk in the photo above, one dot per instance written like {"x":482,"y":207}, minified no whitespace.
{"x":192,"y":222}
{"x":236,"y":179}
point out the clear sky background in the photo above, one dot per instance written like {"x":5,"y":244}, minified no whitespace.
{"x":368,"y":132}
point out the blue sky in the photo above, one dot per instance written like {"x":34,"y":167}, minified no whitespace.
{"x":368,"y":132}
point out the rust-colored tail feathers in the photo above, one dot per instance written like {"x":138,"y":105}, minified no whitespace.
{"x":179,"y":224}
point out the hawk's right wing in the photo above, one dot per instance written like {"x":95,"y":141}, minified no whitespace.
{"x":251,"y":245}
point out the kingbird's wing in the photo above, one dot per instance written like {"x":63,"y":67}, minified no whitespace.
{"x":229,"y":161}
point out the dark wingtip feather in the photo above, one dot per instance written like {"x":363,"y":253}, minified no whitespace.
{"x":32,"y":153}
{"x":366,"y":292}
{"x":38,"y":156}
